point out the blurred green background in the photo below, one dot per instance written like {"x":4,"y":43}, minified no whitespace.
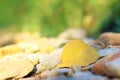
{"x":50,"y":17}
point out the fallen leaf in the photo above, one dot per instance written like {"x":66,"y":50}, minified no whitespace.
{"x":76,"y":52}
{"x":15,"y":68}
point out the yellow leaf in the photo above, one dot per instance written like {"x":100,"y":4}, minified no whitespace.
{"x":76,"y":52}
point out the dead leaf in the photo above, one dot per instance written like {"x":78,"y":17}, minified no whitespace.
{"x":15,"y":68}
{"x":76,"y":52}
